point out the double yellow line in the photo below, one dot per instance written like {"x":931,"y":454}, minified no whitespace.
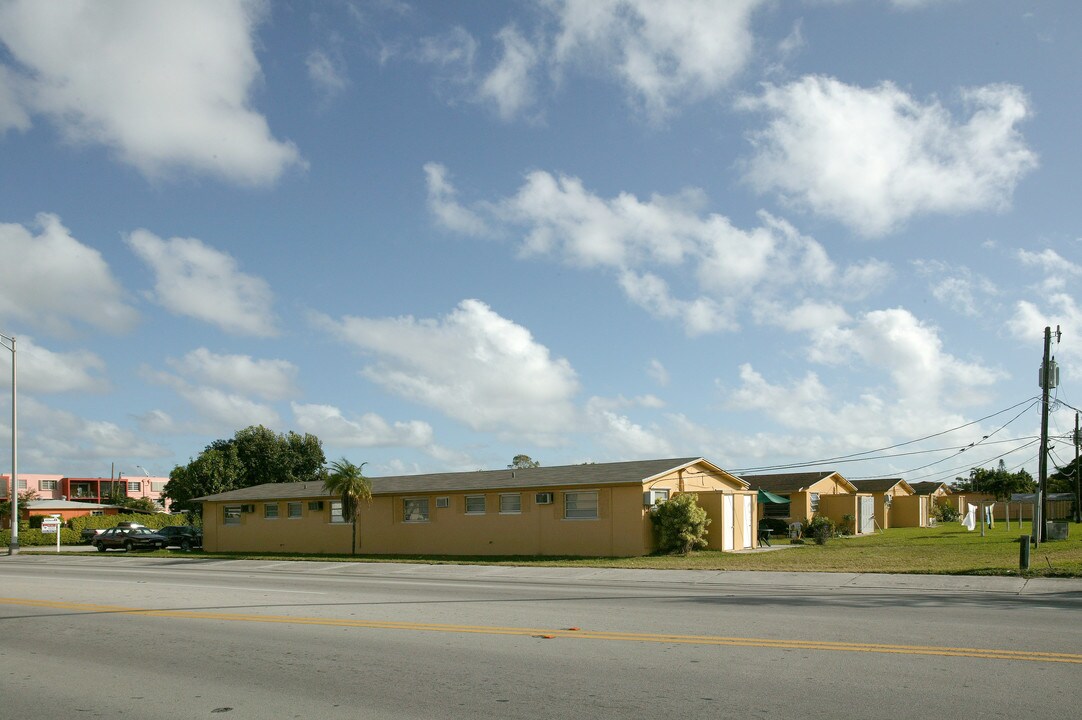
{"x":568,"y":633}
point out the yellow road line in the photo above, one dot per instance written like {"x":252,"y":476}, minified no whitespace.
{"x":789,"y":644}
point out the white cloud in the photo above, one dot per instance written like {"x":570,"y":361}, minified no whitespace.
{"x":958,"y":288}
{"x":167,"y":85}
{"x":13,"y":114}
{"x":658,"y":372}
{"x":873,"y":158}
{"x":473,"y":365}
{"x":509,"y":84}
{"x":268,"y":379}
{"x":195,"y":280}
{"x":1056,"y":271}
{"x":663,"y":56}
{"x":1059,"y":310}
{"x":224,"y":410}
{"x":442,"y":203}
{"x":327,"y":73}
{"x":368,"y":430}
{"x":625,"y":438}
{"x":43,"y":371}
{"x":59,"y":280}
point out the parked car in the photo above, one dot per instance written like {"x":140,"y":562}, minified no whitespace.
{"x":88,"y":534}
{"x":140,"y":538}
{"x":184,"y":537}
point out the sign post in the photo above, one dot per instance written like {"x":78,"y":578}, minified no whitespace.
{"x":51,"y":524}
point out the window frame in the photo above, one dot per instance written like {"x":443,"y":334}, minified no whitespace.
{"x":50,"y":484}
{"x":289,"y":510}
{"x":20,"y":484}
{"x":813,"y":502}
{"x":475,"y":511}
{"x":277,"y":511}
{"x":337,"y":518}
{"x":568,"y":494}
{"x":132,"y":486}
{"x":518,"y":503}
{"x":231,"y":515}
{"x":418,"y":503}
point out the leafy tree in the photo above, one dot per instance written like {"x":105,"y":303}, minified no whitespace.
{"x":24,"y":497}
{"x":348,"y":480}
{"x":680,"y":523}
{"x":999,"y":483}
{"x":214,"y":471}
{"x":522,"y":462}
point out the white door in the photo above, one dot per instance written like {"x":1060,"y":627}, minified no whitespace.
{"x":867,"y":514}
{"x":728,"y":529}
{"x":748,"y":509}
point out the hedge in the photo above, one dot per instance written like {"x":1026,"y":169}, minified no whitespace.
{"x":30,"y":531}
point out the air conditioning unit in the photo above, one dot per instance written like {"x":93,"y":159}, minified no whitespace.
{"x":652,"y":497}
{"x":247,"y":508}
{"x":315,"y":505}
{"x":543,"y":498}
{"x":443,"y":502}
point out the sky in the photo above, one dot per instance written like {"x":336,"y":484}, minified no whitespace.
{"x":795,"y":235}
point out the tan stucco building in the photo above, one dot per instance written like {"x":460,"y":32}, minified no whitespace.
{"x":594,"y":509}
{"x":896,"y":502}
{"x":825,"y":493}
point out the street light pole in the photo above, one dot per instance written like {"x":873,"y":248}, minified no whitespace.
{"x":9,"y":342}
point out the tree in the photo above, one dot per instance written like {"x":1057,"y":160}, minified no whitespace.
{"x":680,"y":523}
{"x":253,"y":456}
{"x":522,"y":462}
{"x":999,"y":483}
{"x":347,"y":480}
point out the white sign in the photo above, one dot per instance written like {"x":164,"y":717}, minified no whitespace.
{"x":50,"y":527}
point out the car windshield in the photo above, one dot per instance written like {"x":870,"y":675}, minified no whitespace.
{"x":140,"y":531}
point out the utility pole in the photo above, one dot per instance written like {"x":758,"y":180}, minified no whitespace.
{"x":1077,"y":484}
{"x":1048,"y":381}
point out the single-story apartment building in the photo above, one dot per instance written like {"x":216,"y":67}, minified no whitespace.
{"x":824,"y":492}
{"x":938,"y":493}
{"x":896,"y":503}
{"x":592,"y":509}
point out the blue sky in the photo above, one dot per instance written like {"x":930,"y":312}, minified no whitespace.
{"x":439,"y":234}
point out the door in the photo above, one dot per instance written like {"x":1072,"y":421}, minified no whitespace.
{"x":867,"y":514}
{"x":748,"y":510}
{"x":728,"y":529}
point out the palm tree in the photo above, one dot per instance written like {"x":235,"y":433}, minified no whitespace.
{"x":346,"y":479}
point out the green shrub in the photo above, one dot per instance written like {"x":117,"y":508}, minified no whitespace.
{"x":34,"y":536}
{"x":680,"y":524}
{"x":943,"y":512}
{"x":820,"y":529}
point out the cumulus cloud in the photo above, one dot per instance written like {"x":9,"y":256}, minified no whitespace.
{"x":368,"y":430}
{"x":472,"y":365}
{"x":60,"y":280}
{"x":662,"y":57}
{"x":653,"y":245}
{"x":268,"y":379}
{"x":222,"y":411}
{"x":623,"y":437}
{"x":44,"y":371}
{"x":873,"y":158}
{"x":1056,"y":270}
{"x":166,"y":85}
{"x":195,"y":280}
{"x":958,"y":288}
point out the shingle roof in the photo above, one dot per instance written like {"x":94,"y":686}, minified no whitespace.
{"x":928,"y":487}
{"x":588,"y":474}
{"x":786,"y":482}
{"x":878,"y":484}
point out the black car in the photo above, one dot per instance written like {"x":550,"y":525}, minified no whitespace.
{"x":139,"y":538}
{"x":88,"y":534}
{"x":184,"y":537}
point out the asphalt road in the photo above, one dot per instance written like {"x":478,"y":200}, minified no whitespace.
{"x":142,"y":637}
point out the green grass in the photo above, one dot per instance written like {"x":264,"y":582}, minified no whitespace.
{"x":948,"y":549}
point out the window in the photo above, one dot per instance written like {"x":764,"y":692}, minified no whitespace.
{"x":886,"y":500}
{"x":48,"y":484}
{"x":580,"y":505}
{"x":97,"y":513}
{"x":231,"y":515}
{"x":270,"y":511}
{"x":21,"y":484}
{"x":443,"y":502}
{"x":157,"y":487}
{"x":336,"y":512}
{"x":776,"y":510}
{"x":415,"y":510}
{"x":510,"y":503}
{"x":475,"y":504}
{"x":815,"y":502}
{"x":294,"y":510}
{"x":134,"y":486}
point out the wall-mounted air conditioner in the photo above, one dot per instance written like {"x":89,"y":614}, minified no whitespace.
{"x":247,"y":508}
{"x":315,"y":504}
{"x":442,"y":502}
{"x":543,"y":498}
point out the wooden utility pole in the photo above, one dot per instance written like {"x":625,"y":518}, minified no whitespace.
{"x":1077,"y":484}
{"x":1047,"y":383}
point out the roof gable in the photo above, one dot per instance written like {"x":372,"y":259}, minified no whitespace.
{"x":795,"y":482}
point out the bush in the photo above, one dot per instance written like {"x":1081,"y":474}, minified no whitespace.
{"x":101,"y":522}
{"x":820,"y":529}
{"x":944,"y":513}
{"x":28,"y":537}
{"x":680,"y":524}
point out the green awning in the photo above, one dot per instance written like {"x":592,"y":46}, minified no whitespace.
{"x":769,"y":497}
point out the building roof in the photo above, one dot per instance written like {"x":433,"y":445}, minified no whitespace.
{"x":64,"y":505}
{"x":928,"y":487}
{"x":585,"y":475}
{"x":791,"y":482}
{"x":880,"y":484}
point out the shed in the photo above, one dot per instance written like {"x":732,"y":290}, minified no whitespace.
{"x":896,"y":503}
{"x":824,"y":492}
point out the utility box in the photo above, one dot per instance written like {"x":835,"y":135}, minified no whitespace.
{"x":1056,"y":529}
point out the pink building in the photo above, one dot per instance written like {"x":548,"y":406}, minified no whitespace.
{"x":82,"y":489}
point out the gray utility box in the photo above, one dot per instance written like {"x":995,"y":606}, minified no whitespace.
{"x":1056,"y":529}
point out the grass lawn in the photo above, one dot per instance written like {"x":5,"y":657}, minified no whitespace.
{"x":947,"y":549}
